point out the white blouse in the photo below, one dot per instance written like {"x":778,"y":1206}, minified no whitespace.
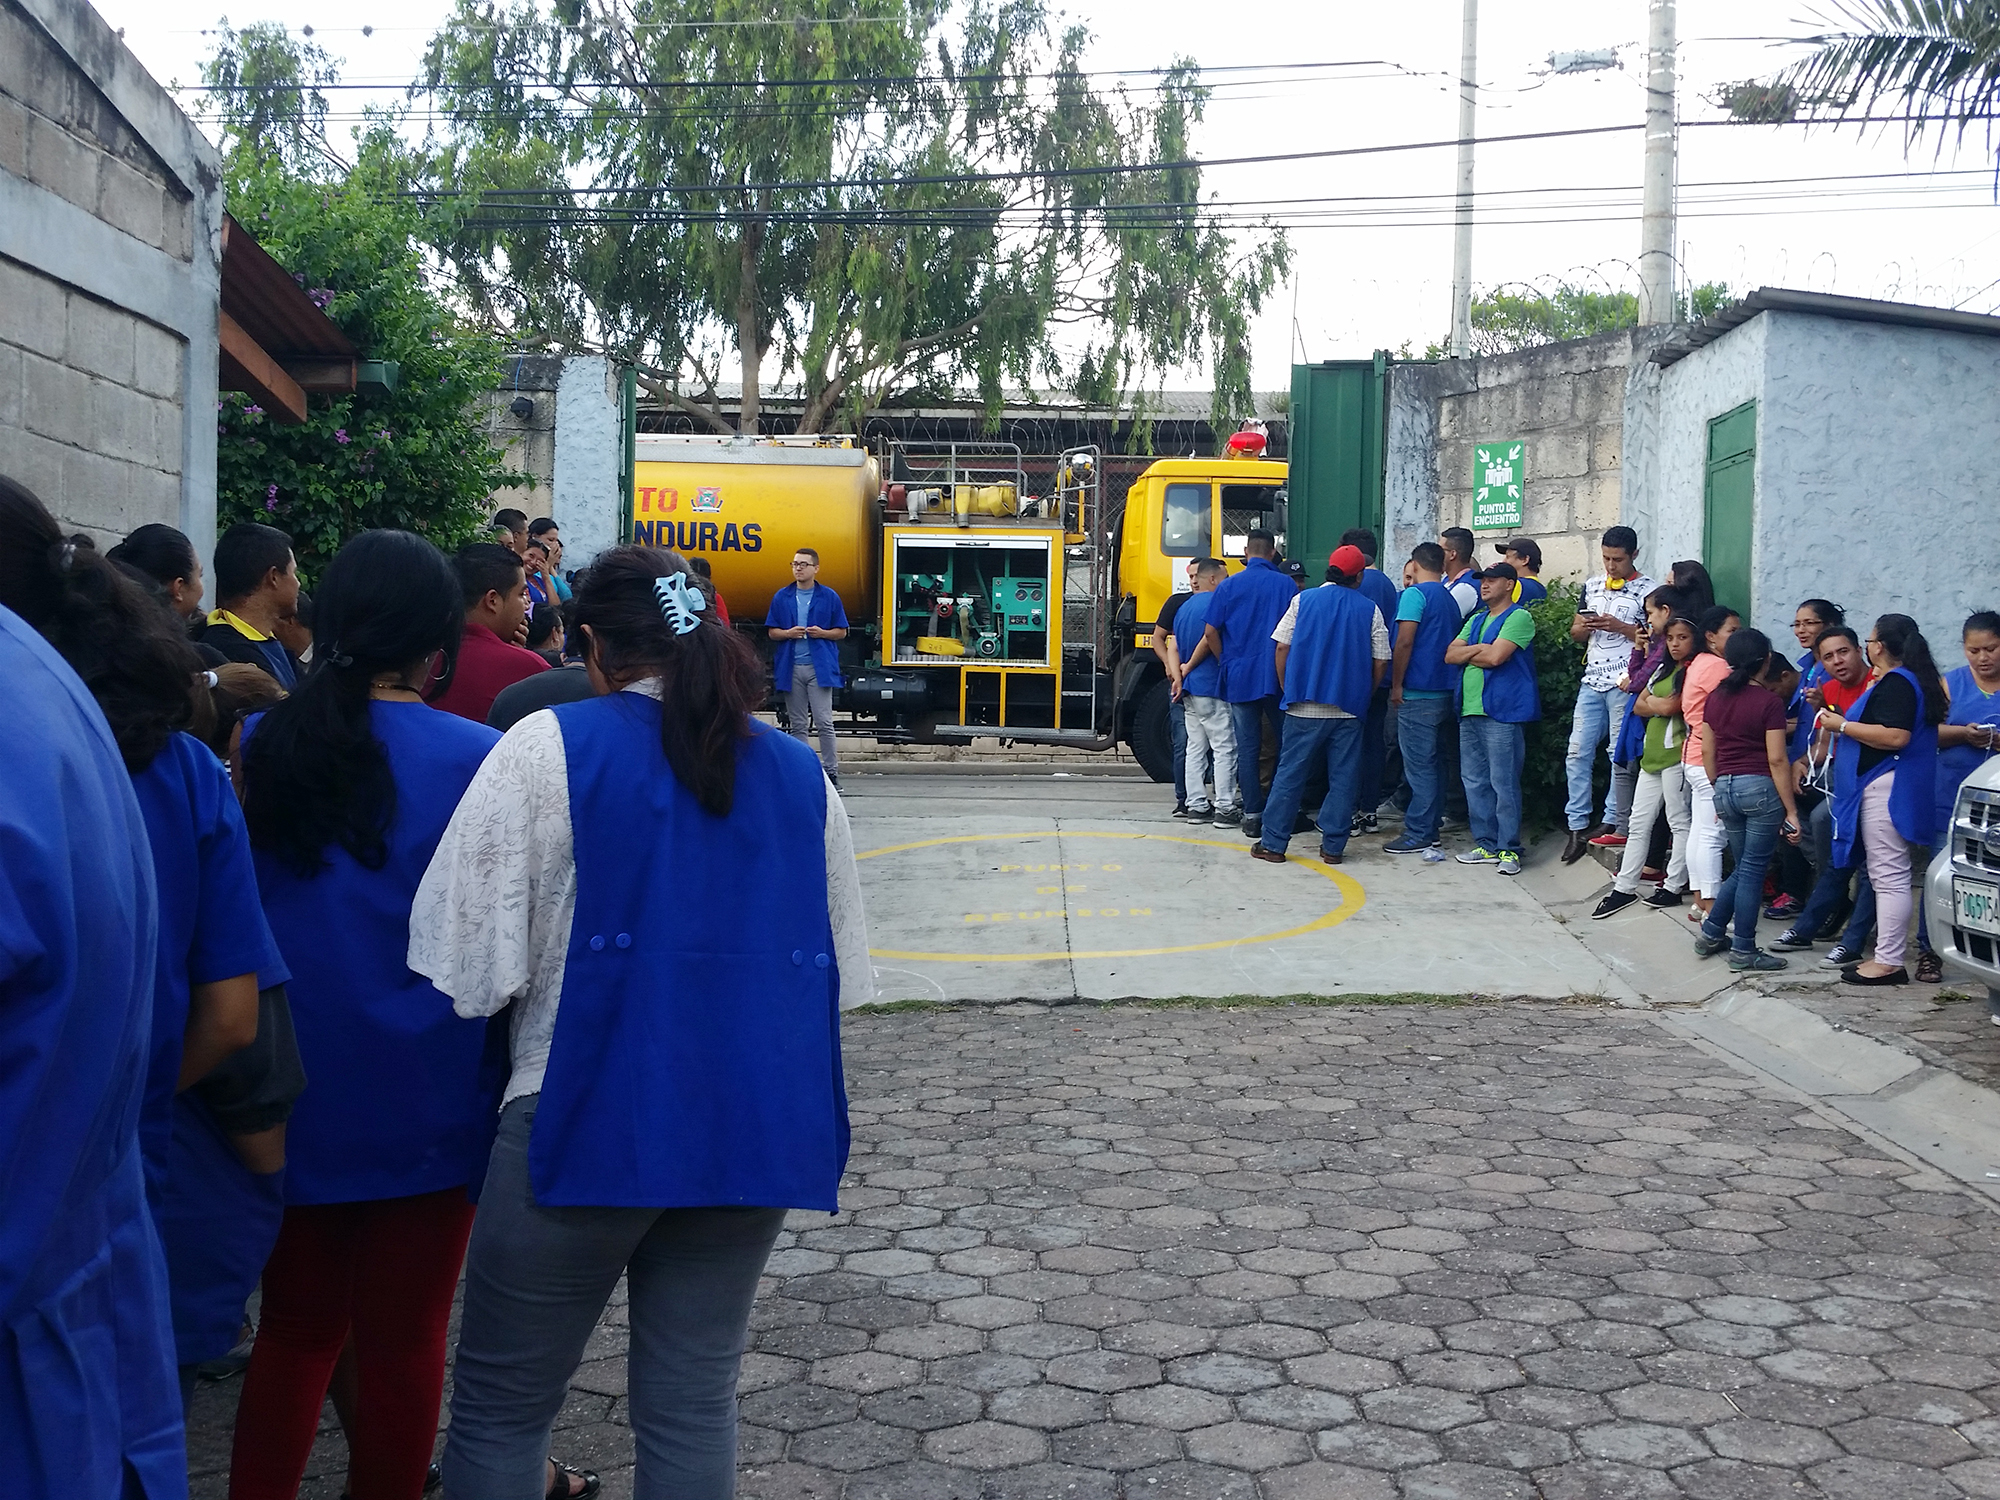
{"x":491,"y":923}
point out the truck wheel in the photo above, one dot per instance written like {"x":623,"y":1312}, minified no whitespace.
{"x":1152,"y":734}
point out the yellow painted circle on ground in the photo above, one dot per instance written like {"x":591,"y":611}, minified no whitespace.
{"x":1352,"y":899}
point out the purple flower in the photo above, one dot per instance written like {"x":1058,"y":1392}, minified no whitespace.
{"x":270,"y":504}
{"x":253,"y":411}
{"x":270,"y":492}
{"x":299,"y":277}
{"x":340,"y":436}
{"x":384,"y":433}
{"x":321,"y":295}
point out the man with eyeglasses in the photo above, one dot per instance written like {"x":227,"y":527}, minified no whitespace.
{"x":806,"y":620}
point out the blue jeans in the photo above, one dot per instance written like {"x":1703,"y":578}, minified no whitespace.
{"x":1374,"y":749}
{"x":1751,"y":814}
{"x":1419,"y":723}
{"x":1177,"y":731}
{"x":1491,"y":754}
{"x":1309,"y":742}
{"x":1599,"y":715}
{"x":1250,"y":720}
{"x":536,"y":1281}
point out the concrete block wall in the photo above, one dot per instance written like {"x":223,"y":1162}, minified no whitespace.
{"x":529,"y":444}
{"x":110,"y":211}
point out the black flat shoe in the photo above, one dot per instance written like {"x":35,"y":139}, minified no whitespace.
{"x":561,"y":1490}
{"x":1664,"y":898}
{"x":1853,"y":975}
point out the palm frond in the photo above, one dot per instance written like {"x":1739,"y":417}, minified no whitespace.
{"x":1937,"y":61}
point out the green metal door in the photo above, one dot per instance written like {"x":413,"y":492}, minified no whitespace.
{"x":1728,"y":505}
{"x":1334,"y":457}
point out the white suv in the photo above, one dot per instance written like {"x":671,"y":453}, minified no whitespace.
{"x":1962,"y":888}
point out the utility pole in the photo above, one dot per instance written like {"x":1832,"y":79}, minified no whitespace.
{"x":1656,"y":231}
{"x":1468,"y":122}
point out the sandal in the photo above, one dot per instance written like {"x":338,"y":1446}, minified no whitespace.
{"x":1930,"y":968}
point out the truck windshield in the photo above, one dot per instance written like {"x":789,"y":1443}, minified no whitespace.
{"x":1184,"y":521}
{"x":1247,"y":508}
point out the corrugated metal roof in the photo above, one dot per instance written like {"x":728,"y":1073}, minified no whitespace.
{"x":1824,"y":305}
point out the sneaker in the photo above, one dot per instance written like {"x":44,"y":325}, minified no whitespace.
{"x":1608,"y":841}
{"x":1708,"y":947}
{"x":1180,"y":811}
{"x":1228,"y":817}
{"x":1510,"y":863}
{"x":1405,"y":845}
{"x":1253,"y":825}
{"x":1756,"y":961}
{"x":1479,"y":857}
{"x":1364,"y":823}
{"x":1784,"y":908}
{"x":1793,"y":941}
{"x":1200,"y":814}
{"x":1831,"y":929}
{"x":1663,"y":898}
{"x":1613,"y":904}
{"x":1840,"y":956}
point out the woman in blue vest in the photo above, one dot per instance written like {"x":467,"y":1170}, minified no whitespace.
{"x":88,"y":1405}
{"x":664,"y":892}
{"x":1884,"y":783}
{"x":212,"y":941}
{"x":1971,"y":730}
{"x":348,"y":786}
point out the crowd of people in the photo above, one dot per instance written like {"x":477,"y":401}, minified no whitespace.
{"x":1743,"y":784}
{"x":315,"y":981}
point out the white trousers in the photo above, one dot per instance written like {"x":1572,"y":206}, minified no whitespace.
{"x":1706,"y":837}
{"x":1656,"y":790}
{"x":1210,"y":737}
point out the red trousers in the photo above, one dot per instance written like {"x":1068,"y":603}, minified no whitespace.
{"x":384,"y":1272}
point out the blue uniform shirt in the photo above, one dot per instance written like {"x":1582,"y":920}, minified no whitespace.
{"x":1247,"y":608}
{"x":89,"y":1401}
{"x":827,"y":614}
{"x":401,"y":1100}
{"x":1205,"y":681}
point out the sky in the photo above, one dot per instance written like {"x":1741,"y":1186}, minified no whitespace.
{"x":1824,"y":209}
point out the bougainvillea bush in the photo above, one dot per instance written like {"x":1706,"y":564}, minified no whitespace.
{"x":416,"y":457}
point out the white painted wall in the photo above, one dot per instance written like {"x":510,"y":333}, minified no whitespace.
{"x":1667,"y":412}
{"x":1877,"y":448}
{"x":590,"y":439}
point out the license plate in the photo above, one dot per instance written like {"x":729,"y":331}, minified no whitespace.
{"x":1977,"y":905}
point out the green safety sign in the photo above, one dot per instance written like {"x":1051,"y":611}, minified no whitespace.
{"x":1499,"y":472}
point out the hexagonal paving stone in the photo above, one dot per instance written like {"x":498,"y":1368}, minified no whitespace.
{"x":1047,"y":1407}
{"x":1348,"y":1373}
{"x":1425,"y":1408}
{"x":1646,"y":1443}
{"x":1455,"y":1370}
{"x":985,"y":1445}
{"x":1117,"y":1446}
{"x":1176,"y":1408}
{"x":1227,"y":1374}
{"x":866,"y":1372}
{"x":924,"y":1409}
{"x":1247,"y":1445}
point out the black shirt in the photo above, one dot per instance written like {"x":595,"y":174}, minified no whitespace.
{"x":567,"y":684}
{"x":1893,"y":705}
{"x":1165,"y":624}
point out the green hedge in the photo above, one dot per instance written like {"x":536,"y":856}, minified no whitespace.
{"x":1559,"y":672}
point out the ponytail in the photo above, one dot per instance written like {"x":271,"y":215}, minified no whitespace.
{"x":650,"y":616}
{"x":128,"y":648}
{"x":314,"y":772}
{"x":1901,"y":639}
{"x":1746,"y":652}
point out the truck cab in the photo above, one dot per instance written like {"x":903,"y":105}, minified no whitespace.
{"x":1179,"y":509}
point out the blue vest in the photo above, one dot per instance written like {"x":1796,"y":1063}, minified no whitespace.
{"x":1332,"y":655}
{"x":1509,"y":693}
{"x":1802,"y":713}
{"x":88,"y":1400}
{"x":1247,"y":608}
{"x":1439,"y":627}
{"x":1912,"y":800}
{"x":696,"y":1057}
{"x":826,"y":613}
{"x":1968,"y":706}
{"x":1205,"y":681}
{"x":1379,"y":589}
{"x":218,"y":1221}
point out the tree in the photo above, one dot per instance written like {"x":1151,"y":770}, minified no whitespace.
{"x":416,"y":457}
{"x":1504,"y":320}
{"x":1937,"y":61}
{"x":266,"y":91}
{"x":883,"y":207}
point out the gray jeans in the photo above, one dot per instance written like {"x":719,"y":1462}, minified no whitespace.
{"x":537,"y":1280}
{"x":805,"y":692}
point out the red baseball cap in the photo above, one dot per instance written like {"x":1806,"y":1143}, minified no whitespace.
{"x":1349,"y":560}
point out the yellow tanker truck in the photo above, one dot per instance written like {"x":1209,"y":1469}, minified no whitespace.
{"x":990,"y":593}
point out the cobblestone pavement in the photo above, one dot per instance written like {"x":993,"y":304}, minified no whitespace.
{"x":1352,"y":1253}
{"x":1946,"y":1024}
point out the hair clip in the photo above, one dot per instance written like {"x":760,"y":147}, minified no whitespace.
{"x":209,"y":679}
{"x":68,"y":558}
{"x":338,"y":659}
{"x":680,"y":603}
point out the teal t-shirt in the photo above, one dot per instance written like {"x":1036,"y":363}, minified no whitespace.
{"x":1410,"y":606}
{"x":1519,"y":628}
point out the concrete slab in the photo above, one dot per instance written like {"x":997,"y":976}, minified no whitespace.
{"x":1949,"y":1121}
{"x":1054,"y":889}
{"x":1652,"y":951}
{"x":1792,"y":1043}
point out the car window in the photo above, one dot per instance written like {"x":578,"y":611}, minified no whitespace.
{"x":1184,"y":523}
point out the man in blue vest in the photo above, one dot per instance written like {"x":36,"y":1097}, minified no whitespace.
{"x":806,"y":620}
{"x":1421,"y":686}
{"x":1499,"y":697}
{"x":1246,"y":610}
{"x":1332,"y":648}
{"x":1211,"y":738}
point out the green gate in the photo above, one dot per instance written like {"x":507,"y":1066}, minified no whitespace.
{"x":1728,"y":506}
{"x":1335,"y":455}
